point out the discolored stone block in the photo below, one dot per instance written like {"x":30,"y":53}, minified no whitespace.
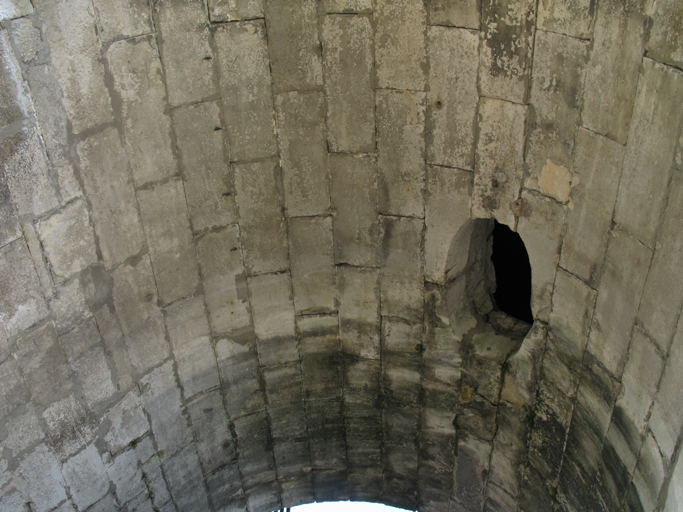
{"x":15,"y":8}
{"x":470,"y":473}
{"x":359,"y":311}
{"x":45,"y":483}
{"x":69,"y":427}
{"x":215,"y":445}
{"x":232,"y":10}
{"x":571,"y":17}
{"x":454,"y":13}
{"x":92,"y":371}
{"x":239,"y":368}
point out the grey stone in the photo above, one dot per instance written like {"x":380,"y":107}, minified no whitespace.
{"x":499,"y":167}
{"x":185,"y":51}
{"x":349,"y":83}
{"x":23,"y":430}
{"x":15,"y":8}
{"x":209,"y":190}
{"x":596,"y":169}
{"x":9,"y":227}
{"x":123,"y":20}
{"x":188,"y":330}
{"x":38,"y":256}
{"x":15,"y":102}
{"x":454,"y":13}
{"x":239,"y":368}
{"x":319,"y":350}
{"x":347,"y":6}
{"x":92,"y":370}
{"x":470,"y":472}
{"x":68,"y":240}
{"x":225,"y":488}
{"x":294,"y":48}
{"x":400,"y":53}
{"x":256,"y":460}
{"x":509,"y":450}
{"x":215,"y":446}
{"x":246,"y":90}
{"x":128,"y":423}
{"x":401,"y":152}
{"x":158,"y":490}
{"x":127,"y":477}
{"x":664,"y":44}
{"x":108,"y":183}
{"x":71,"y":29}
{"x":650,"y":150}
{"x":596,"y":395}
{"x":650,"y":474}
{"x":141,"y":320}
{"x":27,"y":38}
{"x":359,"y":320}
{"x":621,"y":286}
{"x":303,"y":148}
{"x":263,"y":497}
{"x":138,"y":80}
{"x":312,"y":261}
{"x":262,"y":225}
{"x":115,"y":344}
{"x":452,"y":96}
{"x":164,"y":216}
{"x":41,"y":471}
{"x":283,"y":384}
{"x":14,"y":390}
{"x":185,"y":480}
{"x":291,"y":458}
{"x":232,"y":10}
{"x":570,"y":17}
{"x":69,"y":427}
{"x":354,"y":199}
{"x":86,"y":477}
{"x":612,"y":71}
{"x":222,"y":270}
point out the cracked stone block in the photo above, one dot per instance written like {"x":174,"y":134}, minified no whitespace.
{"x":86,"y":477}
{"x":570,"y":17}
{"x":115,"y":344}
{"x":359,"y":311}
{"x":185,"y":481}
{"x":69,"y":427}
{"x":454,"y":13}
{"x":233,"y":10}
{"x":128,"y":423}
{"x":156,"y":484}
{"x":215,"y":445}
{"x":9,"y":226}
{"x":45,"y":483}
{"x":121,"y":20}
{"x":239,"y":367}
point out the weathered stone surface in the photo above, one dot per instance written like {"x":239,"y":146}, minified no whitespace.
{"x":122,"y":20}
{"x":273,"y":314}
{"x":470,"y":473}
{"x":650,"y":474}
{"x":239,"y":368}
{"x":666,"y":36}
{"x":224,"y":487}
{"x":256,"y":460}
{"x":45,"y":483}
{"x":69,"y":427}
{"x":401,"y":152}
{"x":401,"y":267}
{"x":23,"y":430}
{"x":506,"y":49}
{"x":499,"y":166}
{"x":215,"y":446}
{"x":303,"y":148}
{"x":232,"y":10}
{"x":185,"y":50}
{"x":156,"y":484}
{"x":354,"y":199}
{"x":108,"y":183}
{"x":92,"y":371}
{"x":15,"y":102}
{"x":541,"y":232}
{"x":263,"y":497}
{"x":188,"y":330}
{"x":246,"y":90}
{"x":115,"y":344}
{"x":650,"y":150}
{"x":127,"y":477}
{"x":312,"y":260}
{"x":37,"y":255}
{"x":27,"y":38}
{"x":294,"y":48}
{"x":347,"y":6}
{"x":452,"y":97}
{"x":349,"y":83}
{"x":571,"y":17}
{"x":454,"y":13}
{"x":141,"y":320}
{"x":71,"y":30}
{"x":15,"y":8}
{"x":359,"y":311}
{"x":128,"y":423}
{"x":9,"y":227}
{"x":674,"y":499}
{"x":224,"y":280}
{"x":319,"y":350}
{"x":21,"y":301}
{"x":596,"y":169}
{"x":14,"y":390}
{"x":164,"y":217}
{"x":263,"y":231}
{"x":138,"y":80}
{"x":556,"y":93}
{"x":86,"y":477}
{"x":208,"y":181}
{"x":400,"y":54}
{"x":185,"y":480}
{"x":447,"y":208}
{"x":621,"y":285}
{"x":612,"y":72}
{"x":161,"y":397}
{"x":68,"y":240}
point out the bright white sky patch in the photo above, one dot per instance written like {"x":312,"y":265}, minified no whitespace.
{"x":345,"y":506}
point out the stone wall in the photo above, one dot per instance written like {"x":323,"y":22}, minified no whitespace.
{"x":243,"y":266}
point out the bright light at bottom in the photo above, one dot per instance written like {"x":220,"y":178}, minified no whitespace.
{"x":345,"y":506}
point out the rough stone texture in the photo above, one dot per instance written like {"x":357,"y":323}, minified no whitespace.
{"x":15,"y":8}
{"x":349,"y":82}
{"x":666,"y":39}
{"x":86,"y":477}
{"x":452,"y":97}
{"x":454,"y":13}
{"x":27,"y":38}
{"x":571,"y":17}
{"x":185,"y":481}
{"x":123,"y":20}
{"x":45,"y":482}
{"x":347,"y":6}
{"x":232,"y":10}
{"x":15,"y":100}
{"x":359,"y":311}
{"x":215,"y":446}
{"x":128,"y":422}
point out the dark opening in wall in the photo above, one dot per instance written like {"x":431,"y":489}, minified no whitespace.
{"x":513,"y":273}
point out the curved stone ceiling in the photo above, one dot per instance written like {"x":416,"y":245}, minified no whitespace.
{"x":244,"y":254}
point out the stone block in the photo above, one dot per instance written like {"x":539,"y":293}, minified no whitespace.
{"x":570,"y":17}
{"x":297,"y":491}
{"x":239,"y":367}
{"x":256,"y":458}
{"x":26,"y":171}
{"x":347,"y":6}
{"x":92,"y":371}
{"x":232,"y":10}
{"x":621,"y":285}
{"x":650,"y":150}
{"x":273,"y":315}
{"x":596,"y":170}
{"x":596,"y":395}
{"x":263,"y":231}
{"x":185,"y":50}
{"x":400,"y":53}
{"x":135,"y":299}
{"x":156,"y":484}
{"x":161,"y":398}
{"x":674,"y":499}
{"x":509,"y":449}
{"x":14,"y":390}
{"x":185,"y":480}
{"x":71,"y":29}
{"x":9,"y":227}
{"x":128,"y":423}
{"x":263,"y":497}
{"x":27,"y":39}
{"x":555,"y":115}
{"x":354,"y":199}
{"x":666,"y":36}
{"x":108,"y":183}
{"x":401,"y":152}
{"x":500,"y":158}
{"x":169,"y":237}
{"x":68,"y":240}
{"x":115,"y":344}
{"x":454,"y":13}
{"x":69,"y":427}
{"x":138,"y":80}
{"x":215,"y":446}
{"x":507,"y":48}
{"x":326,"y":434}
{"x":293,"y":44}
{"x":15,"y":8}
{"x":612,"y":72}
{"x":541,"y":232}
{"x":225,"y":488}
{"x":303,"y":147}
{"x":37,"y":255}
{"x":312,"y":262}
{"x":319,"y":350}
{"x":650,"y":474}
{"x":349,"y":83}
{"x":401,"y":267}
{"x":86,"y":477}
{"x":224,"y":280}
{"x":291,"y":458}
{"x":122,"y":20}
{"x":447,"y":208}
{"x":127,"y":477}
{"x":283,"y":384}
{"x":452,"y":98}
{"x":470,"y":473}
{"x":16,"y":102}
{"x":246,"y":89}
{"x":364,"y":484}
{"x":362,"y":383}
{"x":209,"y":190}
{"x":359,"y":321}
{"x":45,"y":483}
{"x":23,"y":430}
